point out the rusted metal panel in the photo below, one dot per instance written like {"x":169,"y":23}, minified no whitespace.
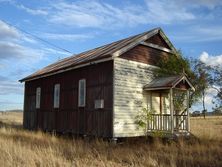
{"x":177,"y":81}
{"x":69,"y":117}
{"x":162,"y":82}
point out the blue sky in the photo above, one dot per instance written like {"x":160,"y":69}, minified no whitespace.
{"x":194,"y":26}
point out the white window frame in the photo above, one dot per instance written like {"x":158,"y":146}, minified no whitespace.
{"x":82,"y":82}
{"x":56,"y":95}
{"x":38,"y":97}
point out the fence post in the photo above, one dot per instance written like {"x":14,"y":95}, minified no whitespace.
{"x":188,"y":114}
{"x":171,"y":110}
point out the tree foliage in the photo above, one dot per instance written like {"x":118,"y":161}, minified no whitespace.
{"x":197,"y":72}
{"x":143,"y":118}
{"x":216,"y":83}
{"x":174,"y":65}
{"x":203,"y":80}
{"x":177,"y":65}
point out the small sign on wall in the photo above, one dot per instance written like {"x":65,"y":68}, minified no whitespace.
{"x":99,"y":103}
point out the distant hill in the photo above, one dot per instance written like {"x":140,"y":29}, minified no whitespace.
{"x":15,"y":110}
{"x":198,"y":113}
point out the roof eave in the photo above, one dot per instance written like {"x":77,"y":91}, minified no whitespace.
{"x":157,"y":88}
{"x":64,"y":70}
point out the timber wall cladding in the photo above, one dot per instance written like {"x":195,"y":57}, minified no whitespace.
{"x":129,"y":97}
{"x":158,"y":40}
{"x":69,"y":117}
{"x":145,"y":55}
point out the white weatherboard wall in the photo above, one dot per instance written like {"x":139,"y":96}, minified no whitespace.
{"x":129,"y":97}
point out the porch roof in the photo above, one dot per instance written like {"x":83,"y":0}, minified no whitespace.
{"x":167,"y":82}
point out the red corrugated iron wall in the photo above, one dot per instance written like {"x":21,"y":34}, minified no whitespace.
{"x":69,"y":117}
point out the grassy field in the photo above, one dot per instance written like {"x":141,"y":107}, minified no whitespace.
{"x":23,"y":148}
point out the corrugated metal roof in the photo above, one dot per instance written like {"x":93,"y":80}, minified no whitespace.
{"x":102,"y":52}
{"x":163,"y":82}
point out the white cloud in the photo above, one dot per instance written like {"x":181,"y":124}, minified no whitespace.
{"x":99,"y":14}
{"x":10,"y":87}
{"x":209,"y":97}
{"x":103,"y":15}
{"x":206,"y":33}
{"x":210,"y":93}
{"x":31,"y":11}
{"x":9,"y":50}
{"x":211,"y":60}
{"x":53,"y":51}
{"x":28,"y":39}
{"x":2,"y":66}
{"x":13,"y":45}
{"x":164,"y":11}
{"x":211,"y":4}
{"x":25,"y":8}
{"x":208,"y":30}
{"x":67,"y":37}
{"x":194,"y":34}
{"x":7,"y":32}
{"x":10,"y":45}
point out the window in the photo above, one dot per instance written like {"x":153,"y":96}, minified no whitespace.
{"x":82,"y":92}
{"x":38,"y":97}
{"x":56,"y":95}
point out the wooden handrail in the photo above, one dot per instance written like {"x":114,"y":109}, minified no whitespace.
{"x":160,"y":114}
{"x":167,"y":115}
{"x":178,"y":115}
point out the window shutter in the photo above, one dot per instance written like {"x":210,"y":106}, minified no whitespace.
{"x":38,"y":97}
{"x":56,"y":95}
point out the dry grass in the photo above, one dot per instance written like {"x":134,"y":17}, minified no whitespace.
{"x":23,"y":148}
{"x":11,"y":118}
{"x":208,"y":129}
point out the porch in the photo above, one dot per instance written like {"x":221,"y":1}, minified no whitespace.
{"x":164,"y":123}
{"x":168,"y":101}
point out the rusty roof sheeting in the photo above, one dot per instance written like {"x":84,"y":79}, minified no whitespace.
{"x":87,"y":56}
{"x":163,"y":82}
{"x":168,"y":82}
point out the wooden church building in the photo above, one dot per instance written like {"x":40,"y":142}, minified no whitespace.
{"x":100,"y":92}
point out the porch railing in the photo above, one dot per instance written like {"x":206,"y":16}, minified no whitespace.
{"x":163,"y":122}
{"x":180,"y":122}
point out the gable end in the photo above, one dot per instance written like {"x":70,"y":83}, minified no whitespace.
{"x":145,"y":54}
{"x":158,"y":40}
